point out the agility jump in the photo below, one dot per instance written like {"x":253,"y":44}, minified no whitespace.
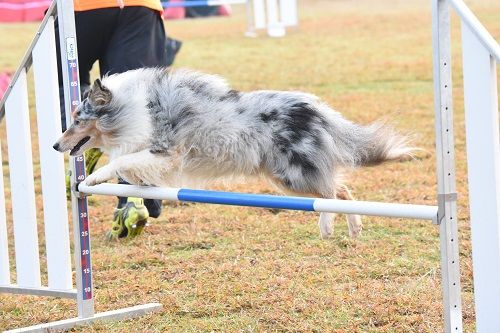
{"x":481,"y":53}
{"x":273,"y":15}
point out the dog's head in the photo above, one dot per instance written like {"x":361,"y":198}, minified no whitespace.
{"x":85,"y":131}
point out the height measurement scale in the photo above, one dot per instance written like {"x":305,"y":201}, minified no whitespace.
{"x":79,"y":175}
{"x":71,"y":83}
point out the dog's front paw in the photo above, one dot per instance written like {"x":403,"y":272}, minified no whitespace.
{"x":91,"y":180}
{"x":100,"y":176}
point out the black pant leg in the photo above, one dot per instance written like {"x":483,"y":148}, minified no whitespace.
{"x":138,"y":41}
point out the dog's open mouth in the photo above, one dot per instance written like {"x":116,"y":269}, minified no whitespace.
{"x":79,"y":145}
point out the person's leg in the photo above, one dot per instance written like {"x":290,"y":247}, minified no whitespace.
{"x":138,"y":41}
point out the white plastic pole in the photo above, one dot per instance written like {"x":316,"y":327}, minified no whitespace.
{"x":51,"y":162}
{"x":4,"y":248}
{"x":250,"y":20}
{"x":259,"y":14}
{"x":274,"y":26}
{"x":22,"y":185}
{"x":122,"y":190}
{"x":288,"y":10}
{"x":376,"y":209}
{"x":483,"y":158}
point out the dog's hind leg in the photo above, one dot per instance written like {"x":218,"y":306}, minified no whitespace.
{"x":325,"y":222}
{"x":353,"y":220}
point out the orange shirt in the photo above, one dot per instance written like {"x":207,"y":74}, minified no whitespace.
{"x":81,"y":5}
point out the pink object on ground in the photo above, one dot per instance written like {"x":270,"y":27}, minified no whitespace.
{"x":4,"y":83}
{"x":225,"y":10}
{"x":22,"y":10}
{"x":175,"y":12}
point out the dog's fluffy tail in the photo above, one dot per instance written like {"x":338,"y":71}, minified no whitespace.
{"x":376,"y":143}
{"x":380,"y":143}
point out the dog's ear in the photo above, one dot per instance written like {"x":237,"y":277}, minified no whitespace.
{"x":85,"y":91}
{"x":99,"y":94}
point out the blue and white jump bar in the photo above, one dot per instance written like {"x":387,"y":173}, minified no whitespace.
{"x":420,"y":212}
{"x":202,"y":3}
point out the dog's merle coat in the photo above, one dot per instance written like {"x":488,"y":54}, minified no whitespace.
{"x":165,"y":127}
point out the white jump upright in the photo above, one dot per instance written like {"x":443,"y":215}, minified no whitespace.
{"x":274,"y":16}
{"x":480,"y":55}
{"x":445,"y":160}
{"x":4,"y":245}
{"x":280,"y":13}
{"x":275,"y":26}
{"x":259,"y":10}
{"x":22,"y":185}
{"x":51,"y":163}
{"x":289,"y":13}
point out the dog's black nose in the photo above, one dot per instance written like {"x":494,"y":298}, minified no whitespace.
{"x":56,"y":146}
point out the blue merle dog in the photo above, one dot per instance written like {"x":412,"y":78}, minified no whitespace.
{"x":184,"y":128}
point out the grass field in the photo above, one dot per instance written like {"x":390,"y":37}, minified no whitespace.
{"x":226,"y":269}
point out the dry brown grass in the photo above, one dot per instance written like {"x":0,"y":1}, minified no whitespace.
{"x":217,"y":268}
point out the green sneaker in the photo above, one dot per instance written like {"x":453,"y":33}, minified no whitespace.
{"x":130,"y":220}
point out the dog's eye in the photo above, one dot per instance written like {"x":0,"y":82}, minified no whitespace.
{"x":76,"y":122}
